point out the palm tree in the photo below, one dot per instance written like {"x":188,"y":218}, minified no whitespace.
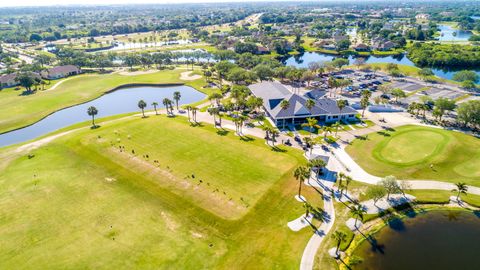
{"x":326,"y":130}
{"x":155,"y":104}
{"x":176,"y":97}
{"x":341,"y":104}
{"x":189,"y":108}
{"x":357,"y":211}
{"x":301,"y":173}
{"x":348,"y":180}
{"x":194,"y":114}
{"x":311,"y":124}
{"x":92,"y":111}
{"x":310,"y":103}
{"x":308,"y":209}
{"x":462,"y":188}
{"x":339,"y":237}
{"x":167,"y":103}
{"x":142,"y":105}
{"x":284,"y":105}
{"x":318,"y":164}
{"x":274,"y":134}
{"x":214,"y":112}
{"x":336,"y":126}
{"x":366,"y":94}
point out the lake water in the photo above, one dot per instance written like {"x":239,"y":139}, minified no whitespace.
{"x":303,"y":60}
{"x":440,"y":240}
{"x":448,"y":33}
{"x":141,"y":45}
{"x":121,"y":101}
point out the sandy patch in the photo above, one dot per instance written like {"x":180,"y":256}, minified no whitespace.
{"x":171,"y":225}
{"x":139,"y":72}
{"x":110,"y":179}
{"x":196,"y":234}
{"x":187,"y":76}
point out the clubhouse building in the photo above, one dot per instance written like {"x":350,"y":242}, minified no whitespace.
{"x":273,"y":93}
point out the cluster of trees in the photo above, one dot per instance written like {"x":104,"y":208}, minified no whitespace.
{"x":54,"y":23}
{"x":444,"y":55}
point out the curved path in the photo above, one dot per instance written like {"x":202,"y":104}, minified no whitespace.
{"x":308,"y":257}
{"x":360,"y":175}
{"x":340,"y":161}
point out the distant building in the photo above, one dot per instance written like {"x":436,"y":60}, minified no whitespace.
{"x":382,"y":44}
{"x":362,"y":47}
{"x":9,"y":80}
{"x":273,"y":93}
{"x":262,"y":50}
{"x":422,"y":16}
{"x":60,"y":72}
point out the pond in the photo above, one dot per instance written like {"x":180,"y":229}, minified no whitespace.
{"x":437,"y":240}
{"x":141,"y":45}
{"x":448,"y":33}
{"x":124,"y":100}
{"x":302,"y":60}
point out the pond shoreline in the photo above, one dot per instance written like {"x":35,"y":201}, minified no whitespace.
{"x":120,"y":87}
{"x":377,"y":224}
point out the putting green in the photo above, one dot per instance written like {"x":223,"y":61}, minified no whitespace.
{"x":409,"y":151}
{"x":401,"y":150}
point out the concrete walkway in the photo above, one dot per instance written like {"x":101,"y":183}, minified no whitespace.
{"x":308,"y":257}
{"x":351,"y":168}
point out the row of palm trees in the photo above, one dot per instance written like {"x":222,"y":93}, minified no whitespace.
{"x":167,"y":103}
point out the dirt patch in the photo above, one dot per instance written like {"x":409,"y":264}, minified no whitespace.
{"x":188,"y":76}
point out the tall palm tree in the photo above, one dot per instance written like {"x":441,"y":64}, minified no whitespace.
{"x":214,"y":112}
{"x":341,"y":104}
{"x":167,"y":103}
{"x":274,"y":134}
{"x":155,"y":104}
{"x":308,"y":209}
{"x":176,"y":97}
{"x":301,"y":173}
{"x":348,"y":180}
{"x":366,"y":95}
{"x":336,"y":125}
{"x":284,"y":105}
{"x":309,"y":104}
{"x":462,"y":188}
{"x":142,"y":105}
{"x":318,"y":164}
{"x":358,"y":211}
{"x":189,"y":108}
{"x":311,"y":124}
{"x":194,"y":114}
{"x":326,"y":130}
{"x":339,"y":237}
{"x":92,"y":111}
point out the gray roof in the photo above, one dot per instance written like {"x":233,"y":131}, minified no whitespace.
{"x":273,"y":93}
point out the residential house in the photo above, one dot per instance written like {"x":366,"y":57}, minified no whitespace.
{"x":9,"y":80}
{"x":273,"y":93}
{"x":60,"y":72}
{"x":361,"y":47}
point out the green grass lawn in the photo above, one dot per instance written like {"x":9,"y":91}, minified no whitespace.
{"x":17,"y":111}
{"x":408,"y":152}
{"x":80,"y":203}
